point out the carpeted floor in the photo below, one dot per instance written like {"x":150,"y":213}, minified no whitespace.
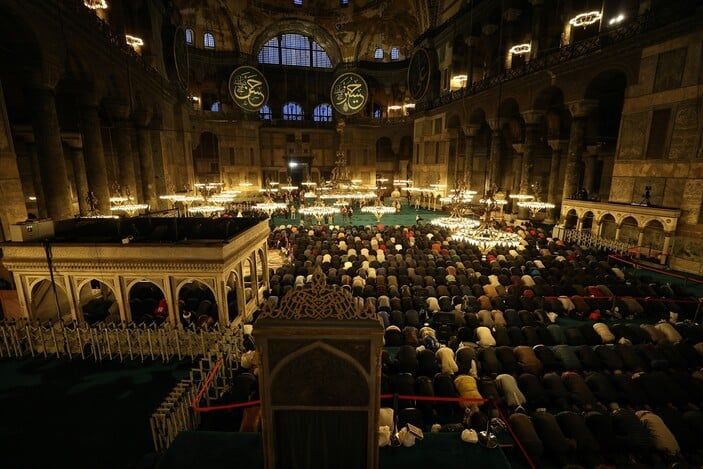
{"x":405,"y":217}
{"x":79,"y":414}
{"x":243,"y":450}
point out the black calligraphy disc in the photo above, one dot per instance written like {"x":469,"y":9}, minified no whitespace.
{"x":180,"y":56}
{"x":419,"y":73}
{"x":248,"y":88}
{"x":349,"y":93}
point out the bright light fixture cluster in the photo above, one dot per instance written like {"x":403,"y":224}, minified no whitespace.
{"x":487,"y":238}
{"x":521,"y":49}
{"x":585,"y":19}
{"x":134,"y":41}
{"x":129,"y":207}
{"x":455,"y":223}
{"x":618,"y":19}
{"x":95,"y":4}
{"x":207,"y":209}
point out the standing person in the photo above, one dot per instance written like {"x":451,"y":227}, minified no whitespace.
{"x":350,"y":212}
{"x":292,"y":212}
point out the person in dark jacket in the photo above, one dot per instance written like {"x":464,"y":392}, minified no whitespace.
{"x":574,"y":427}
{"x":553,"y":439}
{"x":526,"y":433}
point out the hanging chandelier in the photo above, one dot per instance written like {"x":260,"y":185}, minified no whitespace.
{"x":319,"y":211}
{"x":378,"y":210}
{"x":270,"y":206}
{"x":487,"y":236}
{"x":95,"y":4}
{"x":130,"y":209}
{"x":207,"y":209}
{"x":454,"y":223}
{"x":535,"y":206}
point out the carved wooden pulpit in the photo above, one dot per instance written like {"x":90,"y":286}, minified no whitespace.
{"x":319,"y":379}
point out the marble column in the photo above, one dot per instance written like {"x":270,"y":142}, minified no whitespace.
{"x":554,"y":186}
{"x":533,"y":122}
{"x":496,"y":153}
{"x":47,"y":135}
{"x":146,"y":158}
{"x":158,"y":159}
{"x":81,"y":178}
{"x":94,"y":154}
{"x":577,"y":144}
{"x":665,"y":248}
{"x":36,"y":179}
{"x":470,"y":134}
{"x":123,"y":133}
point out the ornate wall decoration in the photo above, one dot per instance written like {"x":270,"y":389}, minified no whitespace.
{"x":670,"y":69}
{"x":632,"y":136}
{"x":419,"y":74}
{"x":180,"y":57}
{"x":248,"y":88}
{"x":317,"y":300}
{"x":349,"y":93}
{"x":685,"y":134}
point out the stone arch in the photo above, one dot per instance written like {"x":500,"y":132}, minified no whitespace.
{"x":299,"y":361}
{"x":608,"y":226}
{"x":197,"y":303}
{"x":557,"y":117}
{"x":652,"y":237}
{"x":296,"y":26}
{"x":608,"y":89}
{"x":43,"y":303}
{"x":570,"y":219}
{"x":587,"y":220}
{"x":629,"y":230}
{"x":143,"y":298}
{"x":248,"y":276}
{"x":261,"y":266}
{"x":97,"y":301}
{"x":232,"y":296}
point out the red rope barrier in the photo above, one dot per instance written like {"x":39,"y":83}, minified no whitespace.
{"x":610,"y":298}
{"x":646,"y":267}
{"x":205,"y":385}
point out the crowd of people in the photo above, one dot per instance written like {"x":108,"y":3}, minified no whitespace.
{"x":589,"y":364}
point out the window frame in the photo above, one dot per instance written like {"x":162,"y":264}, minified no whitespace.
{"x":375,"y":53}
{"x":395,"y":53}
{"x":264,"y":111}
{"x":206,"y":45}
{"x":322,"y":113}
{"x":274,"y":52}
{"x":190,"y":33}
{"x":292,"y":117}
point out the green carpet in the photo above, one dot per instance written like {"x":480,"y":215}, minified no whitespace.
{"x":214,"y":450}
{"x":405,"y":217}
{"x":80,"y":414}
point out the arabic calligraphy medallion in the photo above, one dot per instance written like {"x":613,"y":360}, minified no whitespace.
{"x":419,"y":74}
{"x":248,"y":88}
{"x":349,"y":93}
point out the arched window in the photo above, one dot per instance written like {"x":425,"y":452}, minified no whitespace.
{"x":395,"y":53}
{"x":344,"y":3}
{"x":376,"y":111}
{"x":378,"y":54}
{"x":297,"y":2}
{"x":189,"y":36}
{"x":215,"y":107}
{"x":209,"y":41}
{"x":292,"y":112}
{"x":294,"y":49}
{"x":265,"y":113}
{"x":322,"y":113}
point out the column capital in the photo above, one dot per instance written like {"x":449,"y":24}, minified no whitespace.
{"x":471,"y":130}
{"x":557,"y":145}
{"x":519,"y":147}
{"x":533,"y":117}
{"x":582,"y":107}
{"x":496,"y":124}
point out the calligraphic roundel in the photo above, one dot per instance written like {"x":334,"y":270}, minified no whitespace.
{"x":419,"y":73}
{"x":349,"y":93}
{"x":248,"y":88}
